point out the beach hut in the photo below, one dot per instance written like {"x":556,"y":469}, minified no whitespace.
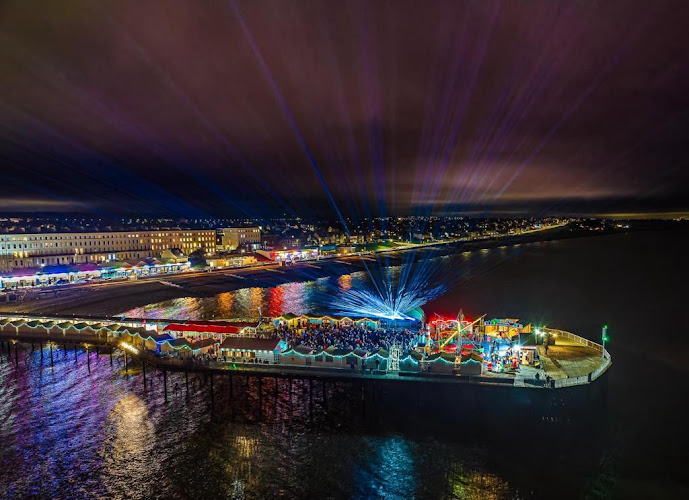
{"x":16,"y":325}
{"x":367,"y":323}
{"x":336,"y":357}
{"x":471,"y":367}
{"x":300,"y":355}
{"x":441,"y":363}
{"x":289,"y":320}
{"x":377,"y":360}
{"x":204,"y":346}
{"x":344,"y":321}
{"x":179,"y":347}
{"x":243,"y":349}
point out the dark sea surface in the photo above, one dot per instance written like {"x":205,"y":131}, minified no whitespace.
{"x":70,"y":433}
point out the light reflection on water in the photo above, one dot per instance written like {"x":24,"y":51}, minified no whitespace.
{"x":71,"y":433}
{"x":304,"y":297}
{"x":65,"y":433}
{"x":297,"y":298}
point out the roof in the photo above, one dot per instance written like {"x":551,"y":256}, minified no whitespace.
{"x":200,"y":344}
{"x":207,"y":328}
{"x":178,"y":343}
{"x":249,"y":344}
{"x":338,"y":352}
{"x":302,"y":349}
{"x":162,"y":337}
{"x":141,"y":332}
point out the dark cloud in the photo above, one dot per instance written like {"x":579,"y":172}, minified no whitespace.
{"x":265,"y":107}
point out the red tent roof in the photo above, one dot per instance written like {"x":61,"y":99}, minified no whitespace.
{"x":242,"y":324}
{"x":204,"y":328}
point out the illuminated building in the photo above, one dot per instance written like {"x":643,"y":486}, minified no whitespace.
{"x":231,"y":261}
{"x":20,"y":251}
{"x":231,"y":238}
{"x":289,"y":255}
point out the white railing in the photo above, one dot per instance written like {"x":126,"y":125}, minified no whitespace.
{"x":584,"y":379}
{"x":575,"y":338}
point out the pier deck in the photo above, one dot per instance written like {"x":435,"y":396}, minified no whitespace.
{"x":572,"y":361}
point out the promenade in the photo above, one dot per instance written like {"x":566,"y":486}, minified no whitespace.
{"x":112,"y":297}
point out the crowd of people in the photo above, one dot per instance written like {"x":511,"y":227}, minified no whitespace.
{"x":350,"y":338}
{"x":502,"y":360}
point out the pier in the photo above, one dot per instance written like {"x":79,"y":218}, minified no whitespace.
{"x":570,"y":361}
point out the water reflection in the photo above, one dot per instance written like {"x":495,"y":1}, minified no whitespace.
{"x":68,"y":433}
{"x":297,"y":298}
{"x":225,"y":304}
{"x":310,"y":296}
{"x":77,"y":434}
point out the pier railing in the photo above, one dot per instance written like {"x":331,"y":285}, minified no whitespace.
{"x":56,"y":330}
{"x":584,"y":379}
{"x":575,"y":338}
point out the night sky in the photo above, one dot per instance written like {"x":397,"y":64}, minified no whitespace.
{"x":375,"y":107}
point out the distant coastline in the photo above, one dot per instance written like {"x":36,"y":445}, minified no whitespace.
{"x":113,"y":298}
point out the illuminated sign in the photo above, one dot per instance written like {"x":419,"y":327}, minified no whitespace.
{"x":507,"y":322}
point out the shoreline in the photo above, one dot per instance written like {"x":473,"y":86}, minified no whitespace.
{"x":109,"y":299}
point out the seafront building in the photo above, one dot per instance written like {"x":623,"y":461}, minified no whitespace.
{"x":232,"y":238}
{"x":25,"y":251}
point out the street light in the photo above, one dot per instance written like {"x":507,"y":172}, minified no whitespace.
{"x":604,"y":337}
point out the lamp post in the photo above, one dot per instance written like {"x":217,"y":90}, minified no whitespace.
{"x":604,"y":337}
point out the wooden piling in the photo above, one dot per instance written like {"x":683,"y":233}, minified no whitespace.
{"x":260,"y":396}
{"x":51,"y":355}
{"x":363,"y":401}
{"x":212,"y":394}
